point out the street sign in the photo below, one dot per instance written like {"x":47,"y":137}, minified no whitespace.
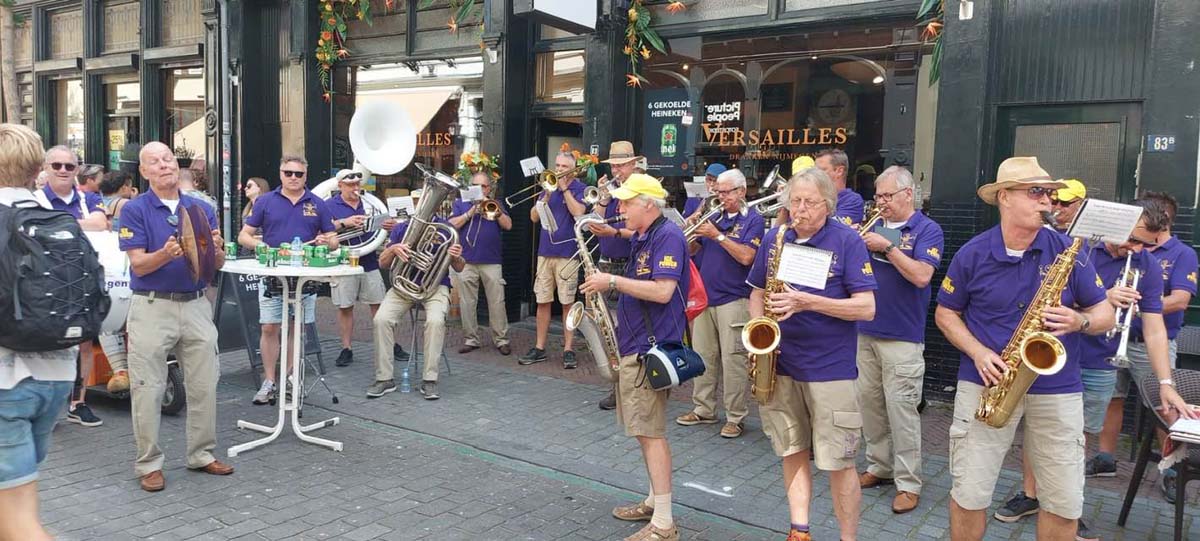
{"x":1160,"y":143}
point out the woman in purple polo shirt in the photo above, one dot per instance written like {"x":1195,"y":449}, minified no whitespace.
{"x":814,"y":408}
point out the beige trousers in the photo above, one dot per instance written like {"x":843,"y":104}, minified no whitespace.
{"x":890,"y":378}
{"x":720,"y":345}
{"x":467,"y":283}
{"x":156,"y":328}
{"x":391,"y":313}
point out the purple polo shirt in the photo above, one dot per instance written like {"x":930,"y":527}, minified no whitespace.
{"x":725,"y":278}
{"x":900,"y":306}
{"x":849,"y":207}
{"x":814,"y":346}
{"x":1178,"y":262}
{"x":562,"y":243}
{"x":691,"y":205}
{"x":992,"y":291}
{"x":660,"y":253}
{"x":480,"y":237}
{"x":614,"y":247}
{"x":281,"y":221}
{"x":1094,"y":350}
{"x":339,"y":209}
{"x":398,"y":234}
{"x":93,"y":201}
{"x":144,"y":225}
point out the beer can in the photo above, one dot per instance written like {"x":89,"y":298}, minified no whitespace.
{"x":231,"y":249}
{"x":344,"y":255}
{"x":308,"y":253}
{"x":321,"y":252}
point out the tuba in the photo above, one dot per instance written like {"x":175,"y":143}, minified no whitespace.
{"x":760,"y":335}
{"x":418,"y":278}
{"x":360,"y":240}
{"x":591,"y":316}
{"x":1031,"y":351}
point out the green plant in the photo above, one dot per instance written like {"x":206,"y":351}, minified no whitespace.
{"x":182,"y":152}
{"x":932,"y":15}
{"x":331,"y":41}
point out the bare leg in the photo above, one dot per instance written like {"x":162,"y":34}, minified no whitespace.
{"x":797,"y":480}
{"x":19,"y":514}
{"x":543,"y":324}
{"x":966,"y":525}
{"x":847,"y":501}
{"x":657,"y":454}
{"x":345,"y":319}
{"x":1028,"y":482}
{"x":269,"y":345}
{"x":1112,"y":426}
{"x":1051,"y":527}
{"x":85,"y":371}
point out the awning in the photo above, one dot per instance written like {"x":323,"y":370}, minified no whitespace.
{"x":421,"y":104}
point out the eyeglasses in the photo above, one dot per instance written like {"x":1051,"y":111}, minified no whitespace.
{"x":808,"y":204}
{"x":724,"y":193}
{"x":1061,"y":203}
{"x":1145,"y":244}
{"x":290,"y":173}
{"x":887,"y":197}
{"x":1036,"y":192}
{"x":57,"y":166}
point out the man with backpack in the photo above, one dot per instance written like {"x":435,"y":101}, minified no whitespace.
{"x":169,"y":312}
{"x":33,"y":384}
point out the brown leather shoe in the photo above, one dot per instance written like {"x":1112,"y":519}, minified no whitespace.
{"x":119,"y":382}
{"x":216,"y":467}
{"x":731,"y":430}
{"x":905,"y":502}
{"x":153,"y":481}
{"x":505,"y":349}
{"x":467,"y":348}
{"x":867,"y":480}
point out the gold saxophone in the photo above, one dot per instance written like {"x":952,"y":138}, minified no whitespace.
{"x":591,"y":316}
{"x":1031,"y":351}
{"x":761,"y":335}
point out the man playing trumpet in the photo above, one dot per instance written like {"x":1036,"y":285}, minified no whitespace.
{"x":814,"y":406}
{"x":480,"y":233}
{"x":726,"y":246}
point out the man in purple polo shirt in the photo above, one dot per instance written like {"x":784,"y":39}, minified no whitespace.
{"x":614,"y":239}
{"x":1178,"y":266}
{"x":281,"y":215}
{"x":651,"y":300}
{"x":835,"y":163}
{"x":396,"y":306}
{"x":891,"y":362}
{"x":814,"y":407}
{"x":347,"y":211}
{"x":168,"y":314}
{"x":694,"y":204}
{"x":982,"y":299}
{"x":62,"y":193}
{"x":480,"y":236}
{"x":556,"y":271}
{"x":726,"y":245}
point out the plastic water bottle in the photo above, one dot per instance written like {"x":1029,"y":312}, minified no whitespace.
{"x":297,"y":248}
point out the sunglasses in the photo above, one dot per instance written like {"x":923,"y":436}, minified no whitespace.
{"x":1036,"y":192}
{"x":351,"y":176}
{"x":57,"y":166}
{"x":290,"y":173}
{"x":1061,"y":203}
{"x":173,"y":220}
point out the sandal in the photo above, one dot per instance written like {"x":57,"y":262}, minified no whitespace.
{"x":634,"y":513}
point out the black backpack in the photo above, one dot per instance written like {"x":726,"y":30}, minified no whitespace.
{"x":52,"y":292}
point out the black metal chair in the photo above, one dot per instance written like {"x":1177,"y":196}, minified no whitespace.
{"x":1187,"y":382}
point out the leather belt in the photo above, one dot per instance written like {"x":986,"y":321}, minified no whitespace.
{"x":171,"y":295}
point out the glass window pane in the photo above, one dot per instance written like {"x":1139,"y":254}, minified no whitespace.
{"x":560,"y":77}
{"x":122,"y":125}
{"x":68,"y":115}
{"x":1086,"y":152}
{"x":184,"y":108}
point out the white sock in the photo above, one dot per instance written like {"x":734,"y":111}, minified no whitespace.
{"x":649,"y":501}
{"x":662,"y":512}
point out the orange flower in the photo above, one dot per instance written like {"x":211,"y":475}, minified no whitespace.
{"x":483,"y":156}
{"x":645,"y":52}
{"x":595,"y":159}
{"x":389,"y":4}
{"x":633,"y":80}
{"x":326,"y":35}
{"x":332,"y":21}
{"x":343,"y":53}
{"x":628,"y":50}
{"x":576,"y":154}
{"x":453,"y":25}
{"x":932,"y":30}
{"x":465,"y":156}
{"x":327,"y":96}
{"x":564,"y":148}
{"x":676,"y":7}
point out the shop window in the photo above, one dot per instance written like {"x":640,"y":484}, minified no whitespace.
{"x":184,"y":111}
{"x":560,"y":77}
{"x":68,"y":115}
{"x":122,"y":124}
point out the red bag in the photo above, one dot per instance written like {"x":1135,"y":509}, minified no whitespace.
{"x":697,"y":298}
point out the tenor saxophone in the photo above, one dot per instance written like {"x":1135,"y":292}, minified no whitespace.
{"x":761,"y":335}
{"x":591,"y":315}
{"x":1031,"y":351}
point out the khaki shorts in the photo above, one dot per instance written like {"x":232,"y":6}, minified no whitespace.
{"x":559,"y":273}
{"x":818,"y":415}
{"x":1053,"y":447}
{"x":367,"y":288}
{"x":641,"y":410}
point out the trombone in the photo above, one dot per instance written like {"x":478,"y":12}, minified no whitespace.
{"x":489,"y":209}
{"x":547,"y":180}
{"x":714,"y":208}
{"x":769,"y":203}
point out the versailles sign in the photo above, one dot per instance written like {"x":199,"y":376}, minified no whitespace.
{"x":717,"y":134}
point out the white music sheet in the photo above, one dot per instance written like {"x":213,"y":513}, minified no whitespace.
{"x":472,"y":194}
{"x":1105,"y":221}
{"x":696,"y":189}
{"x":401,"y":203}
{"x":532,"y":166}
{"x":804,"y":265}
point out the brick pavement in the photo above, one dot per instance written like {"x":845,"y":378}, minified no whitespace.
{"x":508,"y":453}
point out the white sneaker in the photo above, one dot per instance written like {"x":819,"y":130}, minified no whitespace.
{"x":266,"y":393}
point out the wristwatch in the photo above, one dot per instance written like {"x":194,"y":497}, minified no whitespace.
{"x":1166,"y":381}
{"x":889,"y":248}
{"x":1087,"y":323}
{"x":721,"y":238}
{"x":612,"y":282}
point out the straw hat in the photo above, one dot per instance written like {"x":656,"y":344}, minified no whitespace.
{"x":1016,"y":172}
{"x":621,"y":152}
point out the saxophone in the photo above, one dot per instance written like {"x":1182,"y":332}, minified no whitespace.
{"x":760,"y":335}
{"x":1031,"y":351}
{"x":591,"y":315}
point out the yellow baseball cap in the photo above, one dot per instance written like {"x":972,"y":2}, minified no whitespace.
{"x":802,"y":163}
{"x":639,"y":184}
{"x":1074,"y":190}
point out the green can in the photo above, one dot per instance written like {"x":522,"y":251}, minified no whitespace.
{"x":273,"y":257}
{"x":344,"y":255}
{"x":321,"y":252}
{"x":231,"y":250}
{"x":309,"y":250}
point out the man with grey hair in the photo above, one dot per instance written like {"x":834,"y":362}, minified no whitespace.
{"x":835,"y":163}
{"x":724,"y":247}
{"x":891,"y":366}
{"x":63,"y":194}
{"x":814,"y":407}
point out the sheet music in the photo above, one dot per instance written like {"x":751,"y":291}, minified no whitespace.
{"x":674,"y":216}
{"x":1189,"y":427}
{"x":696,"y":189}
{"x":545,"y":216}
{"x":1105,"y":221}
{"x":403,"y":203}
{"x":804,"y":265}
{"x":532,"y":166}
{"x":472,"y":194}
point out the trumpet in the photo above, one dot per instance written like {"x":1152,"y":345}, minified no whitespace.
{"x":597,"y":193}
{"x":874,"y":214}
{"x":769,"y":203}
{"x":489,"y":209}
{"x":547,"y":180}
{"x":713,"y":209}
{"x":1129,"y":278}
